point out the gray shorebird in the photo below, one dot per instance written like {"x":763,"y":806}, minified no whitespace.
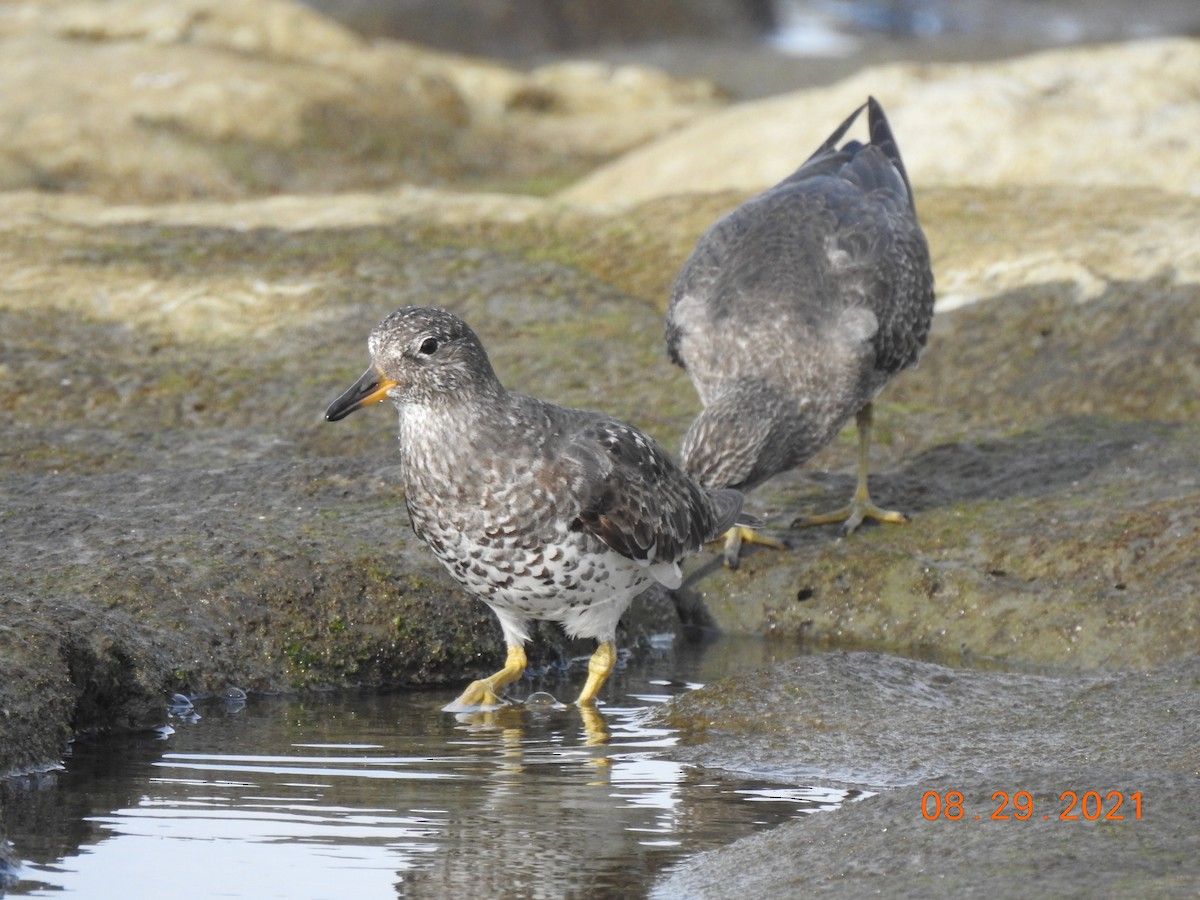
{"x":794,"y":311}
{"x":540,"y":511}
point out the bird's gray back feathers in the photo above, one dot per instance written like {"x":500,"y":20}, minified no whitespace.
{"x":820,"y":289}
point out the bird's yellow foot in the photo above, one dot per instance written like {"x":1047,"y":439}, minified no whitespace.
{"x":479,"y":695}
{"x":860,"y":507}
{"x":740,"y":534}
{"x":853,"y":515}
{"x":599,"y":667}
{"x":482,"y":694}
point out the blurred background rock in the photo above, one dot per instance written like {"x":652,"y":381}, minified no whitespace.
{"x":753,"y":48}
{"x":143,"y":100}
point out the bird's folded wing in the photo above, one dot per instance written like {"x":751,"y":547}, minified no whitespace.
{"x":636,"y":500}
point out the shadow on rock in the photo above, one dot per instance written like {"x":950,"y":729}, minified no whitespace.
{"x":1054,"y":457}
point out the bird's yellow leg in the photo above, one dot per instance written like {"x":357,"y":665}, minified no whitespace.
{"x":860,"y":506}
{"x":740,"y":534}
{"x":482,"y":694}
{"x":599,"y":667}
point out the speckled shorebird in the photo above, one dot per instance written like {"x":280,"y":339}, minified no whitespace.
{"x":795,"y":310}
{"x":540,"y":511}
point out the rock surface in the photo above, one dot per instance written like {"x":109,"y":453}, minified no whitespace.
{"x":1121,"y":116}
{"x":177,"y":517}
{"x":988,"y":737}
{"x":139,"y":99}
{"x":517,"y":29}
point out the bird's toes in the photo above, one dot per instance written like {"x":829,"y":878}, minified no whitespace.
{"x":478,"y":696}
{"x":851,"y":524}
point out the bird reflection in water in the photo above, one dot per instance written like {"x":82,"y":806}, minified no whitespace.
{"x":512,"y":721}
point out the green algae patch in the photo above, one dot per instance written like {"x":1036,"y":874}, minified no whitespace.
{"x":637,"y":251}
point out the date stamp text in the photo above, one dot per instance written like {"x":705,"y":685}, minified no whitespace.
{"x":1072,"y":806}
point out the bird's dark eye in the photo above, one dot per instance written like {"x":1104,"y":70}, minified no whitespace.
{"x":428,"y":347}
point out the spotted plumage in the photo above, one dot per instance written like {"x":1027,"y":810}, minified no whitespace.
{"x":541,"y":511}
{"x":796,"y":309}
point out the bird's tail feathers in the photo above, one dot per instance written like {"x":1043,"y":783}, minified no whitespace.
{"x":727,"y":507}
{"x":830,"y":144}
{"x":829,"y":159}
{"x":882,"y":137}
{"x":745,"y":520}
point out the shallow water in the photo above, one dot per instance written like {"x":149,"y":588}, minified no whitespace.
{"x":349,"y":795}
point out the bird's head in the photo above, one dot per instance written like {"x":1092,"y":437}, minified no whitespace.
{"x":418,"y":355}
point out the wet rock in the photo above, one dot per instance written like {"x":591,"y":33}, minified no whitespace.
{"x":877,"y":721}
{"x":883,"y":845}
{"x":914,"y":727}
{"x":177,"y":516}
{"x":10,"y":865}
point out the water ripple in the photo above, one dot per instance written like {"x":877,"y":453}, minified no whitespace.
{"x":372,"y":796}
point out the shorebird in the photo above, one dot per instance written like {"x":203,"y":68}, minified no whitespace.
{"x":794,"y":311}
{"x":540,"y":511}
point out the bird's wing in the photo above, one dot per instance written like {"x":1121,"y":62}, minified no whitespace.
{"x":790,"y":264}
{"x":754,"y":275}
{"x":696,"y":281}
{"x":783,"y":225}
{"x":636,"y":500}
{"x":835,"y":242}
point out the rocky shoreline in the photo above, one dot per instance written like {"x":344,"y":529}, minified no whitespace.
{"x":177,"y":517}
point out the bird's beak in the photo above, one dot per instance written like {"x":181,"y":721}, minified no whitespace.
{"x":370,"y":388}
